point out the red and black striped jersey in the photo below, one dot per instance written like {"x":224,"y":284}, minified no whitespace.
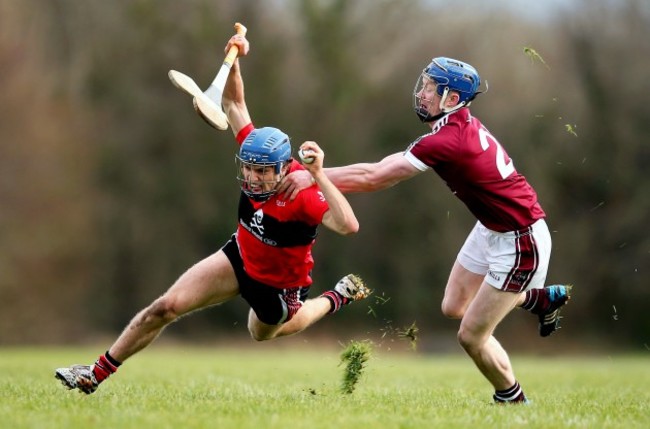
{"x":478,"y":171}
{"x":276,"y":236}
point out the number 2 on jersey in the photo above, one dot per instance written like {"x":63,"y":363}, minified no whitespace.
{"x":505,"y":168}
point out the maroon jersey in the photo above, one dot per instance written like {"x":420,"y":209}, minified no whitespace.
{"x":275,"y":236}
{"x":478,"y":171}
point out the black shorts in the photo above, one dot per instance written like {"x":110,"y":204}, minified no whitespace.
{"x":272,"y":305}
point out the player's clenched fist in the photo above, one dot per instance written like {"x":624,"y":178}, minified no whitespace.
{"x":311,"y":156}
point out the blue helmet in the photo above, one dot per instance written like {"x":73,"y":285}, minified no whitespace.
{"x":263,"y":147}
{"x":449,"y":75}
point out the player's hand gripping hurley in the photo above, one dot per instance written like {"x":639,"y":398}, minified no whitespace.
{"x":208,"y":103}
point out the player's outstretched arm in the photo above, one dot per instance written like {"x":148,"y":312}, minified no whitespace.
{"x":370,"y":177}
{"x":233,"y":99}
{"x":361,"y":177}
{"x":340,"y":217}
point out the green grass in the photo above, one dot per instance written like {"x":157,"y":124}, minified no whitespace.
{"x":266,"y":388}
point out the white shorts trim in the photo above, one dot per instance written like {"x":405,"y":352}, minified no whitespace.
{"x":511,"y":261}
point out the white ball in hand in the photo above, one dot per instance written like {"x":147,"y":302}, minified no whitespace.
{"x":304,"y":157}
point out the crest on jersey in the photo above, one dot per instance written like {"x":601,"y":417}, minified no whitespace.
{"x":256,"y":222}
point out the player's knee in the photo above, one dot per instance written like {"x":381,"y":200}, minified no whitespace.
{"x":451,"y":310}
{"x":161,"y":311}
{"x":258,"y":330}
{"x":466,"y":339}
{"x":258,"y":334}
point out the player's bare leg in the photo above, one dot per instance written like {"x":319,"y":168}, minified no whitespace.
{"x":486,"y":311}
{"x":311,"y":311}
{"x":210,"y":281}
{"x":461,"y":289}
{"x":350,"y":288}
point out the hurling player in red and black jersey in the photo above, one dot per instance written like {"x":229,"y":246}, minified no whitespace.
{"x":268,"y":261}
{"x":504,"y":261}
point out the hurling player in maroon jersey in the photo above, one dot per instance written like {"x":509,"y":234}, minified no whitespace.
{"x":268,"y":261}
{"x":504,"y":261}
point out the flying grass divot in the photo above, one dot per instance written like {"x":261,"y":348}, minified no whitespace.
{"x":355,"y":355}
{"x":411,"y":334}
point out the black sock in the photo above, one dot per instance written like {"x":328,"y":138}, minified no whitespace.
{"x":513,"y":394}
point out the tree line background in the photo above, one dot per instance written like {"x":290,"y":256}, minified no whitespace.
{"x":112,"y":186}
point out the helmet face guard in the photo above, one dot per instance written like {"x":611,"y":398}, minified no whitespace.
{"x":448,"y":75}
{"x":258,"y":180}
{"x":421,"y":95}
{"x":260,"y":162}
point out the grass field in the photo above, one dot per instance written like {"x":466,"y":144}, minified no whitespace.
{"x":266,"y":388}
